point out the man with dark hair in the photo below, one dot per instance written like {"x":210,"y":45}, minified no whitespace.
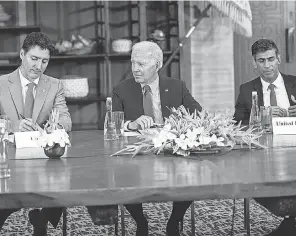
{"x":273,"y":88}
{"x":27,"y":97}
{"x":278,"y":91}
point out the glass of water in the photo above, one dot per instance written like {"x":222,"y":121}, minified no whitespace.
{"x":3,"y":125}
{"x":266,"y":118}
{"x":4,"y":128}
{"x":118,"y":117}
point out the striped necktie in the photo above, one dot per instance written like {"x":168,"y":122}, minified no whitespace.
{"x":273,"y":101}
{"x":147,"y":101}
{"x":29,"y":101}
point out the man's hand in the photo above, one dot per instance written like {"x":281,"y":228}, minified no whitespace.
{"x":143,"y":122}
{"x":27,"y":125}
{"x":292,"y":110}
{"x":278,"y":112}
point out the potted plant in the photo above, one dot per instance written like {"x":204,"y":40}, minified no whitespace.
{"x":54,"y":138}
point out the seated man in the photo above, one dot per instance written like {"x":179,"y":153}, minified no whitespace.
{"x":144,"y":100}
{"x":276,"y":90}
{"x":273,"y":88}
{"x":27,"y":97}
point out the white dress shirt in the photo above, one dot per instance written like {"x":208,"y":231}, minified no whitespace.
{"x":156,"y":103}
{"x":280,"y":93}
{"x":24,"y":83}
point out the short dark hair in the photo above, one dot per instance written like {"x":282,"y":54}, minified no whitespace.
{"x":38,"y":39}
{"x":262,"y":45}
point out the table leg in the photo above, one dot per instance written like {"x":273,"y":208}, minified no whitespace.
{"x":247,"y":215}
{"x":122,"y":216}
{"x":192,"y":219}
{"x":65,"y":221}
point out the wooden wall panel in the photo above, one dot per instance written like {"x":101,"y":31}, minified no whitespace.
{"x":212,"y":64}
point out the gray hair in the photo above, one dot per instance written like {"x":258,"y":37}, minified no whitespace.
{"x":150,"y":47}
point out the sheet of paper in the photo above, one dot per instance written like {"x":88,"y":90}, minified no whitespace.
{"x":284,"y":141}
{"x":284,"y":125}
{"x":26,"y":139}
{"x":29,"y":153}
{"x":131,"y":133}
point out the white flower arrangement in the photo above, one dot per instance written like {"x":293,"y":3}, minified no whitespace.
{"x":201,"y":132}
{"x":53,"y":133}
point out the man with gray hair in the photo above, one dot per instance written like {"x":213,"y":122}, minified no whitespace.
{"x":145,"y":99}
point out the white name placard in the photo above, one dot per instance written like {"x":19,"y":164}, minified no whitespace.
{"x":26,"y":139}
{"x":284,"y":125}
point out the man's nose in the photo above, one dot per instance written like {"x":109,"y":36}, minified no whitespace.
{"x":38,"y":65}
{"x":266,"y":64}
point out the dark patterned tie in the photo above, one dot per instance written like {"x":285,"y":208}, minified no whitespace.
{"x":272,"y":95}
{"x":147,"y":101}
{"x":29,"y":100}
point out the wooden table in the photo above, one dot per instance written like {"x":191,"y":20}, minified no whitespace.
{"x":88,"y":175}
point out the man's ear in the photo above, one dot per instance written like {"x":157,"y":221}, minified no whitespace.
{"x":22,"y":53}
{"x":158,"y":65}
{"x":279,"y":59}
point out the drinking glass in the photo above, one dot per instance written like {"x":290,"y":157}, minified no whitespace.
{"x":266,"y":118}
{"x":118,"y":117}
{"x":4,"y":168}
{"x":3,"y":125}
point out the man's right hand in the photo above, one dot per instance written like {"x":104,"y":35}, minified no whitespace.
{"x":278,"y":112}
{"x":27,"y":125}
{"x":143,"y":122}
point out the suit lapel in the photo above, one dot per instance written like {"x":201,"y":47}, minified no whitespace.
{"x":164,"y":96}
{"x":289,"y":84}
{"x":137,"y":97}
{"x":257,"y":86}
{"x":15,"y":90}
{"x":41,"y":93}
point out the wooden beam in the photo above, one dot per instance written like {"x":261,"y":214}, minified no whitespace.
{"x":143,"y":20}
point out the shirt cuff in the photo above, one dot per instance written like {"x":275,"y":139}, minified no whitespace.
{"x":126,"y":125}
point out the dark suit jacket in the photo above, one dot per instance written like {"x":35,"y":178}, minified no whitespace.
{"x":49,"y":95}
{"x":128,"y":97}
{"x":244,"y":101}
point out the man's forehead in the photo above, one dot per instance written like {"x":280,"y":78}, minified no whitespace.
{"x":266,"y":54}
{"x":141,"y":53}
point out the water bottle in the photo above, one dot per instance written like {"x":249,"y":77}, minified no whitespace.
{"x":109,"y":124}
{"x":255,"y":120}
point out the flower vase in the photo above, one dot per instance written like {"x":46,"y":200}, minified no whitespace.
{"x":54,"y":152}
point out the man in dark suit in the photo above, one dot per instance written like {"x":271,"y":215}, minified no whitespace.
{"x":278,"y":91}
{"x":266,"y":60}
{"x":28,"y":93}
{"x":145,"y":100}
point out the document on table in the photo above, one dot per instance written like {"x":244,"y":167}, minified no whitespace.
{"x":134,"y":133}
{"x":131,"y":133}
{"x":283,"y":141}
{"x":29,"y":153}
{"x":26,"y":139}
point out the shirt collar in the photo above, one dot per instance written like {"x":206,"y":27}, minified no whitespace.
{"x":278,"y":82}
{"x":154,"y":85}
{"x":25,"y":82}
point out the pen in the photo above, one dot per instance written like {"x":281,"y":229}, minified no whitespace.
{"x":23,"y":117}
{"x":36,"y":125}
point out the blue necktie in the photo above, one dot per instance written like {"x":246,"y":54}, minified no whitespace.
{"x":147,"y":101}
